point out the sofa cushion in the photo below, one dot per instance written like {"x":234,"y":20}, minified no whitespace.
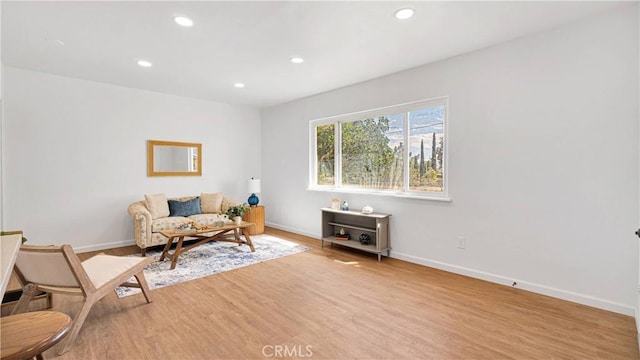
{"x":157,"y":205}
{"x":211,"y":203}
{"x":167,"y":223}
{"x":184,"y":208}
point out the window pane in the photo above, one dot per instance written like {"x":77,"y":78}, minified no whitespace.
{"x":372,"y":153}
{"x":325,"y":140}
{"x":426,"y":152}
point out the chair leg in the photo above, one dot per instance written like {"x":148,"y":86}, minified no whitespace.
{"x":49,"y":300}
{"x":77,"y":324}
{"x":143,"y":286}
{"x":29,"y":291}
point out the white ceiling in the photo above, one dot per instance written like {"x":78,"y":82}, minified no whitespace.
{"x":251,"y":42}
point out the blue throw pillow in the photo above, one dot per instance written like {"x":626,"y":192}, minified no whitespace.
{"x":184,"y":208}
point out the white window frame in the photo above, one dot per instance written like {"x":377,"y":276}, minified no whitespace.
{"x":374,"y":113}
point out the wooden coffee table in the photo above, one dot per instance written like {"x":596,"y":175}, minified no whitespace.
{"x":210,"y":233}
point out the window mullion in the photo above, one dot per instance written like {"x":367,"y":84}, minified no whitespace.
{"x":407,"y":148}
{"x":338,"y":158}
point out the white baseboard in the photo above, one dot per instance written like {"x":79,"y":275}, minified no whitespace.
{"x":112,"y":245}
{"x":521,"y":284}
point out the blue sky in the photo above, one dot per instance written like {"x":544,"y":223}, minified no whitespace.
{"x":422,"y":124}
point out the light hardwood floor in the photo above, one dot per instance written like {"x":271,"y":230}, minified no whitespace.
{"x":334,"y":303}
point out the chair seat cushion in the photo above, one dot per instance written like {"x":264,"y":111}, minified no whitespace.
{"x":103,"y":268}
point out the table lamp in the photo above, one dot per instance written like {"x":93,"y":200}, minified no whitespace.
{"x":254,"y":187}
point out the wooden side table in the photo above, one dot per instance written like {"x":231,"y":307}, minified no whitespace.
{"x":29,"y":334}
{"x":256,"y":216}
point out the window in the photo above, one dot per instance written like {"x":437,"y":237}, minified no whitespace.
{"x":367,"y":151}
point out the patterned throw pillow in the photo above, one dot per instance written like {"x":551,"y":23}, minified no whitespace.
{"x":184,"y":208}
{"x":157,"y":205}
{"x":211,"y":203}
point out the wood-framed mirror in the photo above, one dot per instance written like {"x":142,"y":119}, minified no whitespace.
{"x":172,"y":158}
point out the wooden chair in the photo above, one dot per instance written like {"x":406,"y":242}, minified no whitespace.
{"x":57,"y":269}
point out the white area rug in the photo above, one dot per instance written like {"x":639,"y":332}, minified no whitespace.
{"x":212,"y":258}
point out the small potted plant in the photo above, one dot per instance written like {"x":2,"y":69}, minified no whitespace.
{"x":237,"y":211}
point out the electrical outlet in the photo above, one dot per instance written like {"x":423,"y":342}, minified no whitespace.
{"x":462,"y":242}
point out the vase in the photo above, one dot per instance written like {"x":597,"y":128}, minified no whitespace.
{"x":237,"y":219}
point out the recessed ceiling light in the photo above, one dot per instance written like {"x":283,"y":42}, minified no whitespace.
{"x":238,"y":85}
{"x":183,"y":21}
{"x":404,"y":14}
{"x":144,"y":63}
{"x":297,"y":60}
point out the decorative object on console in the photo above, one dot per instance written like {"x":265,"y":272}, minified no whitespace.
{"x":342,"y":235}
{"x":254,"y":188}
{"x":335,"y":203}
{"x":365,"y":239}
{"x":237,"y":211}
{"x":345,"y":206}
{"x":367,"y":210}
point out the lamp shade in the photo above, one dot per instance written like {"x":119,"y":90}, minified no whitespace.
{"x":254,"y":186}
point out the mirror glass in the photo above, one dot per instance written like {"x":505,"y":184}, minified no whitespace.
{"x":170,"y":158}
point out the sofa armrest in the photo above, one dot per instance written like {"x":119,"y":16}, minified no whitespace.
{"x":141,"y":223}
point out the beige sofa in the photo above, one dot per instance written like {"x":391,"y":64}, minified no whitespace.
{"x":150,"y":217}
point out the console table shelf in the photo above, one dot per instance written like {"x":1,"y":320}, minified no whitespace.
{"x":355,"y":224}
{"x":352,"y":227}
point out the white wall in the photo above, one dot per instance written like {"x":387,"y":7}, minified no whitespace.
{"x":75,"y":154}
{"x":543,"y":162}
{"x":1,"y":122}
{"x":1,"y":156}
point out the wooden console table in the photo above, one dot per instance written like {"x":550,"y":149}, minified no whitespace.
{"x":355,"y":223}
{"x":29,"y":334}
{"x":204,"y":236}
